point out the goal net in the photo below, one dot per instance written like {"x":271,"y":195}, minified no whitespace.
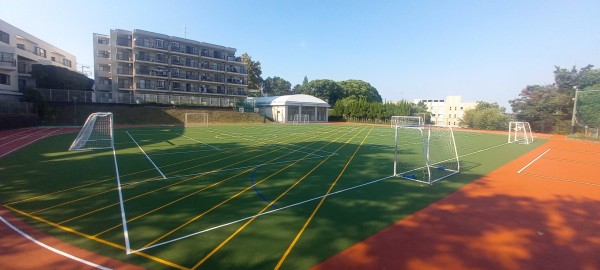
{"x":401,"y":121}
{"x":519,"y":132}
{"x":300,"y":119}
{"x":96,"y":133}
{"x":425,"y":154}
{"x":196,"y":119}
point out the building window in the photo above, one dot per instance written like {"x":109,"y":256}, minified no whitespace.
{"x":161,"y":58}
{"x":103,"y":41}
{"x":160,"y":84}
{"x":104,"y":54}
{"x":160,"y":44}
{"x":4,"y":79}
{"x":175,"y":47}
{"x":176,"y":86}
{"x":103,"y":68}
{"x":67,"y":62}
{"x":123,"y":41}
{"x":6,"y":57}
{"x":21,"y":46}
{"x":53,"y":59}
{"x":41,"y":52}
{"x":4,"y":37}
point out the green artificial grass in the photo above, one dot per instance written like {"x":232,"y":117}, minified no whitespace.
{"x":210,"y":175}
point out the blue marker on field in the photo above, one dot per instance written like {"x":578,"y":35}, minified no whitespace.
{"x":256,"y":189}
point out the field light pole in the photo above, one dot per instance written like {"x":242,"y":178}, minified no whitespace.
{"x":574,"y":111}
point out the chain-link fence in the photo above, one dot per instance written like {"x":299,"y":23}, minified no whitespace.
{"x":587,"y":114}
{"x":136,"y":98}
{"x":17,"y":108}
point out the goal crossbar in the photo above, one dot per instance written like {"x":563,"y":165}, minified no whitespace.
{"x":402,"y":121}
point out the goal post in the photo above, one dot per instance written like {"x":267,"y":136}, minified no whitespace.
{"x":519,"y":132}
{"x":301,"y":119}
{"x":396,"y":121}
{"x":96,"y":133}
{"x":196,"y":119}
{"x":425,"y":153}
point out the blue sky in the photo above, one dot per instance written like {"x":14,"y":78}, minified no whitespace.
{"x":481,"y":50}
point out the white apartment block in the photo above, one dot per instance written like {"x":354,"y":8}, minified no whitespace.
{"x":141,"y":66}
{"x":447,"y":112}
{"x":18,"y":52}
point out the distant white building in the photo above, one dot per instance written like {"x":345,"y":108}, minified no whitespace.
{"x":282,"y":109}
{"x":19,"y":50}
{"x":447,"y":112}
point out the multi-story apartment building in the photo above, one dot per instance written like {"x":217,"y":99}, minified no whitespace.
{"x":141,"y":66}
{"x":448,"y":112}
{"x":18,"y":52}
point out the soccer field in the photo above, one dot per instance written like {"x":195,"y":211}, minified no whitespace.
{"x":230,"y":197}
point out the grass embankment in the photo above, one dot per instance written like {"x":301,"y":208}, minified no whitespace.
{"x":64,"y":114}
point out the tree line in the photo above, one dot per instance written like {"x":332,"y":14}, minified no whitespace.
{"x":548,"y":108}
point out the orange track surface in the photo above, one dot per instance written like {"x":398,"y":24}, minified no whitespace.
{"x":547,"y":217}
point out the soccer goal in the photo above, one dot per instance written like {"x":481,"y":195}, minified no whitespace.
{"x":519,"y":132}
{"x":398,"y":121}
{"x":96,"y":133}
{"x":425,"y":153}
{"x":301,"y":119}
{"x":196,"y":119}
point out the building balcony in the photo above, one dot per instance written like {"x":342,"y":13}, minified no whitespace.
{"x":125,"y":58}
{"x":154,"y":73}
{"x":237,"y":81}
{"x":8,"y":65}
{"x":212,"y":79}
{"x":151,"y":86}
{"x":193,"y":77}
{"x":237,"y":70}
{"x":125,"y":72}
{"x":103,"y":87}
{"x":234,"y":59}
{"x":150,"y":46}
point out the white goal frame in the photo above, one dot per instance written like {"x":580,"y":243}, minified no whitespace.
{"x":425,"y":132}
{"x":188,"y":123}
{"x":96,"y":133}
{"x":301,"y":119}
{"x":519,"y":132}
{"x":400,"y":120}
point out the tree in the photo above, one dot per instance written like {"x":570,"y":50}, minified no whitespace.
{"x":549,"y":108}
{"x":255,"y":80}
{"x":359,"y":89}
{"x":486,"y":115}
{"x":327,"y":90}
{"x":276,"y":86}
{"x":53,"y":77}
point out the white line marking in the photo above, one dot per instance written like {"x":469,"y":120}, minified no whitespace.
{"x":522,"y":169}
{"x":164,"y":177}
{"x":562,"y":179}
{"x":26,"y":136}
{"x":197,"y":141}
{"x":51,"y":248}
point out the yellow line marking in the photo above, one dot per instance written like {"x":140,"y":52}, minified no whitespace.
{"x":114,"y":245}
{"x":35,"y":197}
{"x":230,"y":198}
{"x":216,"y":249}
{"x":287,"y":252}
{"x":214,"y":184}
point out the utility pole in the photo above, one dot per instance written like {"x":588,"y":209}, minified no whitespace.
{"x":574,"y":111}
